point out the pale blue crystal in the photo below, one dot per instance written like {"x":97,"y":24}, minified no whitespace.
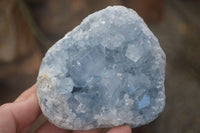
{"x":144,"y":102}
{"x":106,"y":72}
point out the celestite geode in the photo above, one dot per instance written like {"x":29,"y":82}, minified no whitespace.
{"x":107,"y":71}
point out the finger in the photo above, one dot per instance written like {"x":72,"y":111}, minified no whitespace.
{"x":26,"y":93}
{"x":47,"y":127}
{"x":100,"y":130}
{"x":120,"y":129}
{"x":18,"y":116}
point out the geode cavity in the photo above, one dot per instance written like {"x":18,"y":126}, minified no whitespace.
{"x":107,"y":71}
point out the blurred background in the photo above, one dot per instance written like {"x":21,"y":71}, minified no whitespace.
{"x":29,"y":27}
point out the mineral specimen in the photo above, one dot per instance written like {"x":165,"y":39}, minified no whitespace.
{"x":106,"y":72}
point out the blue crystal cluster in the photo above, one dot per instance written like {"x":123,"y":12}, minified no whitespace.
{"x":107,"y":71}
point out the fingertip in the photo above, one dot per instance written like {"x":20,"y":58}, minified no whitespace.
{"x":26,"y":111}
{"x":26,"y":94}
{"x":22,"y":113}
{"x":47,"y":127}
{"x":98,"y":130}
{"x":120,"y":129}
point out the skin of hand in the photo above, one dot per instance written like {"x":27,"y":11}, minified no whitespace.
{"x":18,"y":116}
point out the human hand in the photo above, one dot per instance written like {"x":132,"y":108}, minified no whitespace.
{"x":17,"y":117}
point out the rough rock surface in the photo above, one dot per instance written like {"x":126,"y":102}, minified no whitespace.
{"x":106,"y":72}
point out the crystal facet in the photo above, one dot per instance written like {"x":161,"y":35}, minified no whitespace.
{"x":107,"y":71}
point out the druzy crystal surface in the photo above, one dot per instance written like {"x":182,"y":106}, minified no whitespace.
{"x":106,"y":72}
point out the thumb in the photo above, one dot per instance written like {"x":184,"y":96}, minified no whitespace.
{"x":18,"y":116}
